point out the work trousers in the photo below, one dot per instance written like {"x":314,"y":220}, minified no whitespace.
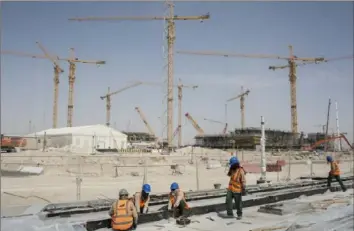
{"x":230,"y":196}
{"x":180,"y":210}
{"x":338,"y":179}
{"x":142,"y":210}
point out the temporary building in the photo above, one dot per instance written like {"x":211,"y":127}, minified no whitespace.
{"x":82,"y":139}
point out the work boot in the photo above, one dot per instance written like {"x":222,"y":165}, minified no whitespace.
{"x":239,"y":217}
{"x":230,"y":214}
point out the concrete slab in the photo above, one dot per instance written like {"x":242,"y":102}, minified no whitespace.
{"x":286,"y":208}
{"x":31,"y":170}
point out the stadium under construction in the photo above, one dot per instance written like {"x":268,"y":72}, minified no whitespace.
{"x":249,"y":138}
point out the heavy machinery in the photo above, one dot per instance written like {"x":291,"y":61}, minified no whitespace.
{"x":180,"y":87}
{"x":325,"y":141}
{"x":292,"y":59}
{"x":195,"y":124}
{"x":108,"y":99}
{"x":57,"y":71}
{"x":143,"y":118}
{"x":218,"y":122}
{"x":171,"y":31}
{"x":242,"y":104}
{"x":9,"y":143}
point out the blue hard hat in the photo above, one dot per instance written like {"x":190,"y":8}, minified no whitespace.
{"x":233,"y":160}
{"x":329,"y":158}
{"x":147,"y":188}
{"x":174,"y":186}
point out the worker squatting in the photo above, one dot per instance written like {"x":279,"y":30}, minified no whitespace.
{"x":124,"y":211}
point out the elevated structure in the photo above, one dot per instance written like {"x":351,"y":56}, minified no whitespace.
{"x":248,"y":138}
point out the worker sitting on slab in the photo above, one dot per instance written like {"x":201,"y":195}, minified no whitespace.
{"x":141,"y":199}
{"x":335,"y":172}
{"x":177,"y":201}
{"x":123,"y":213}
{"x":237,"y":187}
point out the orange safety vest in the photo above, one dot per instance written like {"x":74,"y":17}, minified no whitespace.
{"x":142,"y":203}
{"x":120,"y":219}
{"x":235,"y":184}
{"x":335,"y":167}
{"x":173,"y":199}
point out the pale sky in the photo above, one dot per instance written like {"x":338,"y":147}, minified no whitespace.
{"x":133,"y":51}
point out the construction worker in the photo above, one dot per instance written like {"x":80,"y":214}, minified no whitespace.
{"x":141,"y":199}
{"x":177,"y":201}
{"x":123,"y":213}
{"x":335,"y":172}
{"x":237,"y":187}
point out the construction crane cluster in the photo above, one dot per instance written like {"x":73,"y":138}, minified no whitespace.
{"x":292,"y":60}
{"x":72,"y":60}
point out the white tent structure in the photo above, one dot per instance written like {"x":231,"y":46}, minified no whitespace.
{"x":82,"y":139}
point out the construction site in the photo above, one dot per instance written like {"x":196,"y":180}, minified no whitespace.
{"x":65,"y":176}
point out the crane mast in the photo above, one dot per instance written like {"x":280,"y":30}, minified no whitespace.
{"x":242,"y":104}
{"x":292,"y":71}
{"x":180,"y":87}
{"x":195,"y":124}
{"x":72,"y":60}
{"x":171,"y":31}
{"x":72,"y":69}
{"x":108,"y":99}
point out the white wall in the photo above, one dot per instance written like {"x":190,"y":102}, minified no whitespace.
{"x":88,"y":144}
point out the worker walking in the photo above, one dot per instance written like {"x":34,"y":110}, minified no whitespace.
{"x":123,"y":213}
{"x":177,"y":201}
{"x":237,"y":187}
{"x":141,"y":199}
{"x":335,"y":172}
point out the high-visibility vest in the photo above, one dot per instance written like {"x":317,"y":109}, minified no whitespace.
{"x":235,"y":184}
{"x":173,"y":200}
{"x":120,"y":219}
{"x":335,"y":167}
{"x":142,"y":202}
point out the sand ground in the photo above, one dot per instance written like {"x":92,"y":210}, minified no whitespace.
{"x":100,"y":177}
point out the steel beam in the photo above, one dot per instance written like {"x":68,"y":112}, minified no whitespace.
{"x":68,"y":209}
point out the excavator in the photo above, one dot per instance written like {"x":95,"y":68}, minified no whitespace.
{"x":341,"y":136}
{"x":195,"y":124}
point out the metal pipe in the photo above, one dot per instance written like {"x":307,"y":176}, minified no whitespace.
{"x":338,"y":143}
{"x":328,"y":113}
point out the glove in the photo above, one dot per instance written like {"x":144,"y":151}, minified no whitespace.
{"x":244,"y":192}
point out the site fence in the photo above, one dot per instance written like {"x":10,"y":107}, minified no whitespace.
{"x":69,"y":177}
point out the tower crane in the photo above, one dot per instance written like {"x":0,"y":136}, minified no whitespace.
{"x":72,"y":68}
{"x":57,"y":71}
{"x":180,"y":87}
{"x":108,"y":99}
{"x":218,"y":122}
{"x":195,"y":124}
{"x":292,"y":64}
{"x":242,"y":105}
{"x":171,"y":31}
{"x":143,"y":118}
